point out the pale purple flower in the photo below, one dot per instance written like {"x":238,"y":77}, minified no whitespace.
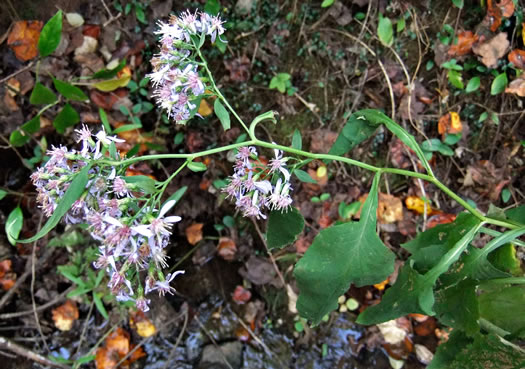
{"x":120,"y":187}
{"x":164,"y":286}
{"x":279,"y":163}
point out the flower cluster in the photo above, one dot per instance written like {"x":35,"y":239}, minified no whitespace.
{"x":175,"y":75}
{"x":132,"y":238}
{"x":256,"y":186}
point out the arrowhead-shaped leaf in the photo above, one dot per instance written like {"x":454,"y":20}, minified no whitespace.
{"x":50,"y":35}
{"x":339,"y":256}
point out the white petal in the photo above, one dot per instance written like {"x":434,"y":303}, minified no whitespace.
{"x":166,"y":207}
{"x":143,"y":229}
{"x":113,"y":221}
{"x":286,"y":174}
{"x":172,"y":219}
{"x":263,"y":186}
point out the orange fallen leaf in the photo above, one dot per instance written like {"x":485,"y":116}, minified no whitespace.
{"x":389,"y":209}
{"x":441,"y":218}
{"x":194,"y":233}
{"x":506,"y":7}
{"x":141,"y":324}
{"x":204,"y":108}
{"x":23,"y":39}
{"x":417,"y":204}
{"x":464,"y":46}
{"x":117,"y":346}
{"x":65,"y":315}
{"x":516,"y":87}
{"x":226,"y":248}
{"x":381,"y":286}
{"x":241,"y":295}
{"x":92,"y":30}
{"x":517,"y":57}
{"x":494,"y":15}
{"x":7,"y":276}
{"x":425,"y":328}
{"x":449,"y":124}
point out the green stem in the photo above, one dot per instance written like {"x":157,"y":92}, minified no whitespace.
{"x":219,"y":94}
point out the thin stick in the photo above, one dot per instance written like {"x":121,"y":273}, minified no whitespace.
{"x":56,"y":300}
{"x":33,"y":278}
{"x":261,"y":236}
{"x":179,"y":338}
{"x":20,"y":350}
{"x":5,"y":79}
{"x":213,"y":341}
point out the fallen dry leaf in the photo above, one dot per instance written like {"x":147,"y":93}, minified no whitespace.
{"x":91,"y":30}
{"x":464,"y":46}
{"x":141,"y":324}
{"x":194,"y":233}
{"x":389,"y":209}
{"x":486,"y":179}
{"x":517,"y":57}
{"x":449,"y":124}
{"x":7,"y":276}
{"x":417,"y":204}
{"x":204,"y":108}
{"x":226,"y":248}
{"x":65,"y":315}
{"x":493,"y":49}
{"x":239,"y":68}
{"x":23,"y":39}
{"x":441,"y":218}
{"x":241,"y":295}
{"x":117,"y":346}
{"x":516,"y":87}
{"x":426,"y":328}
{"x":381,"y":286}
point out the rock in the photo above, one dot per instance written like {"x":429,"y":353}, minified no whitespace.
{"x":231,"y":351}
{"x":244,"y":7}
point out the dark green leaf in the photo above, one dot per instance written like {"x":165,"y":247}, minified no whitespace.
{"x":457,"y":307}
{"x":355,"y":131}
{"x":516,"y":214}
{"x":139,"y":13}
{"x":504,"y":307}
{"x":284,"y":227}
{"x":67,"y":117}
{"x":3,"y":194}
{"x":297,"y":141}
{"x":504,"y":258}
{"x":50,"y":35}
{"x":212,"y":7}
{"x":456,"y":79}
{"x":303,"y":176}
{"x":447,"y":351}
{"x":499,"y":84}
{"x":339,"y":256}
{"x":458,"y":3}
{"x":100,"y":305}
{"x":430,"y":246}
{"x":32,"y":126}
{"x":42,"y":95}
{"x":13,"y":225}
{"x":73,"y":192}
{"x":105,"y":121}
{"x":196,"y":166}
{"x":177,"y":195}
{"x":18,"y":138}
{"x":109,"y":73}
{"x":222,"y":114}
{"x":413,"y":292}
{"x":69,"y":91}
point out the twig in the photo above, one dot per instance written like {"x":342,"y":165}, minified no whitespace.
{"x":5,"y":79}
{"x":179,"y":338}
{"x":309,"y":107}
{"x":31,"y":355}
{"x":261,"y":236}
{"x":33,"y":275}
{"x":213,"y":341}
{"x":56,"y":300}
{"x":84,"y":329}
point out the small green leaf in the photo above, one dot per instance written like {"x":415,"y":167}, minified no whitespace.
{"x":212,"y":7}
{"x":222,"y":114}
{"x":297,"y":141}
{"x":18,"y":138}
{"x":303,"y":176}
{"x":473,"y":84}
{"x":105,"y":121}
{"x":127,"y":127}
{"x":100,"y":305}
{"x":139,"y":13}
{"x":355,"y":131}
{"x":341,"y":255}
{"x":73,"y":192}
{"x":196,"y":166}
{"x":284,"y":227}
{"x":13,"y":224}
{"x":69,"y":91}
{"x":458,"y":3}
{"x":505,"y":195}
{"x":455,"y":79}
{"x":327,"y":3}
{"x":109,"y":73}
{"x":141,"y":183}
{"x":50,"y":35}
{"x":42,"y":95}
{"x":32,"y":126}
{"x":3,"y":194}
{"x":85,"y":359}
{"x":385,"y":31}
{"x":67,"y":117}
{"x":499,"y":84}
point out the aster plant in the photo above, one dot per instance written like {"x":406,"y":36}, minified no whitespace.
{"x":133,"y":226}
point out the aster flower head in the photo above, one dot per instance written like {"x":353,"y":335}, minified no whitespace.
{"x":164,"y":286}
